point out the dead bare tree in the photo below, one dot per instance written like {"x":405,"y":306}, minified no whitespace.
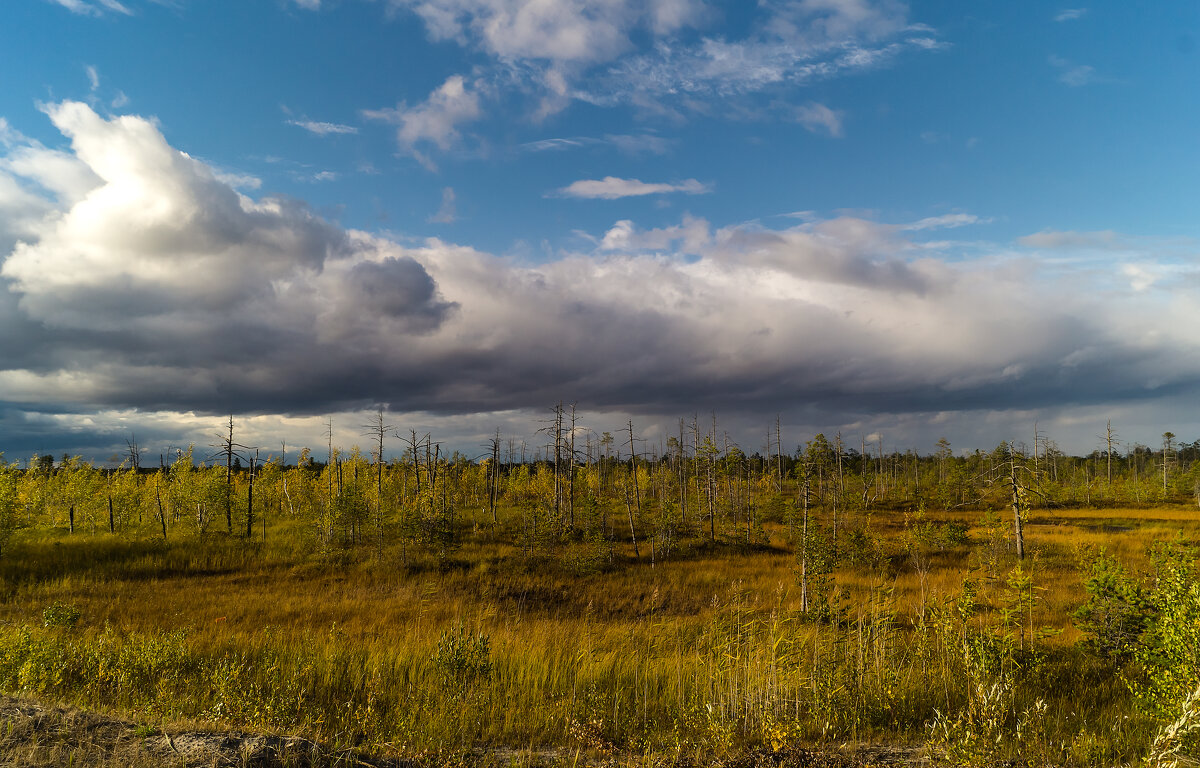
{"x":134,"y":452}
{"x":229,"y":450}
{"x":378,"y":429}
{"x":415,"y":443}
{"x":1110,"y":439}
{"x":1022,"y":482}
{"x":1168,"y":447}
{"x":636,"y":491}
{"x":284,"y":475}
{"x":683,"y":478}
{"x":250,"y":500}
{"x":805,"y":498}
{"x":778,"y":455}
{"x":493,"y":476}
{"x":571,"y":459}
{"x":554,"y":430}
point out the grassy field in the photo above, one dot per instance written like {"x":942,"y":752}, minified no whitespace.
{"x":928,"y":635}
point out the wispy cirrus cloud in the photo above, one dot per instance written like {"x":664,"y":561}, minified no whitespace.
{"x":95,"y":8}
{"x":10,"y":135}
{"x":321,"y":128}
{"x":716,"y":68}
{"x":669,"y":58}
{"x":447,"y":213}
{"x":572,"y":49}
{"x":1070,"y":14}
{"x":558,"y":144}
{"x":1058,"y":240}
{"x":819,"y":118}
{"x":632,"y":144}
{"x":1072,"y":74}
{"x":560,"y":31}
{"x":946,"y":221}
{"x":612,"y":188}
{"x":642,"y":143}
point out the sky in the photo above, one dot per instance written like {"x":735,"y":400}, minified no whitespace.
{"x":894,"y":221}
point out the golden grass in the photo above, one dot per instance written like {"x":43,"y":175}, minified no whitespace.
{"x":703,"y":654}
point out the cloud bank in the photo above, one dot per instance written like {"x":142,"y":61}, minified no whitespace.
{"x":135,"y":277}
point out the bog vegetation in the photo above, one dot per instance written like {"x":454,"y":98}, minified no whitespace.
{"x":691,"y":600}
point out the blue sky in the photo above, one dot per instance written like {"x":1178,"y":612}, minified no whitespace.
{"x":891,"y":219}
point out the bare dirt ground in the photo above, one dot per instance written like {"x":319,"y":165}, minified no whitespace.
{"x":34,"y":735}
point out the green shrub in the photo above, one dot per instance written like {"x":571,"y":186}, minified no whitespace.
{"x":462,"y":658}
{"x":60,"y":615}
{"x":1116,"y":612}
{"x":1168,"y":658}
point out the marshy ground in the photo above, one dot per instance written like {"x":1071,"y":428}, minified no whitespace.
{"x":450,"y":633}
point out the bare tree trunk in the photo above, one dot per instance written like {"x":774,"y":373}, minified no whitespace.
{"x":1109,"y":436}
{"x":1018,"y":523}
{"x":571,"y":470}
{"x":558,"y":425}
{"x":637,"y":494}
{"x":158,"y":498}
{"x":229,"y":476}
{"x":379,"y":430}
{"x":329,"y":470}
{"x":778,"y":455}
{"x":632,"y":529}
{"x":804,"y":543}
{"x":286,"y":495}
{"x":250,"y":499}
{"x":683,"y":478}
{"x":493,"y":477}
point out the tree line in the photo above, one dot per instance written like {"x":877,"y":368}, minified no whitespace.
{"x":696,"y":486}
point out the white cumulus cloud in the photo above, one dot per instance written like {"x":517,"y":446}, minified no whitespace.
{"x":434,"y":120}
{"x":163,"y":255}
